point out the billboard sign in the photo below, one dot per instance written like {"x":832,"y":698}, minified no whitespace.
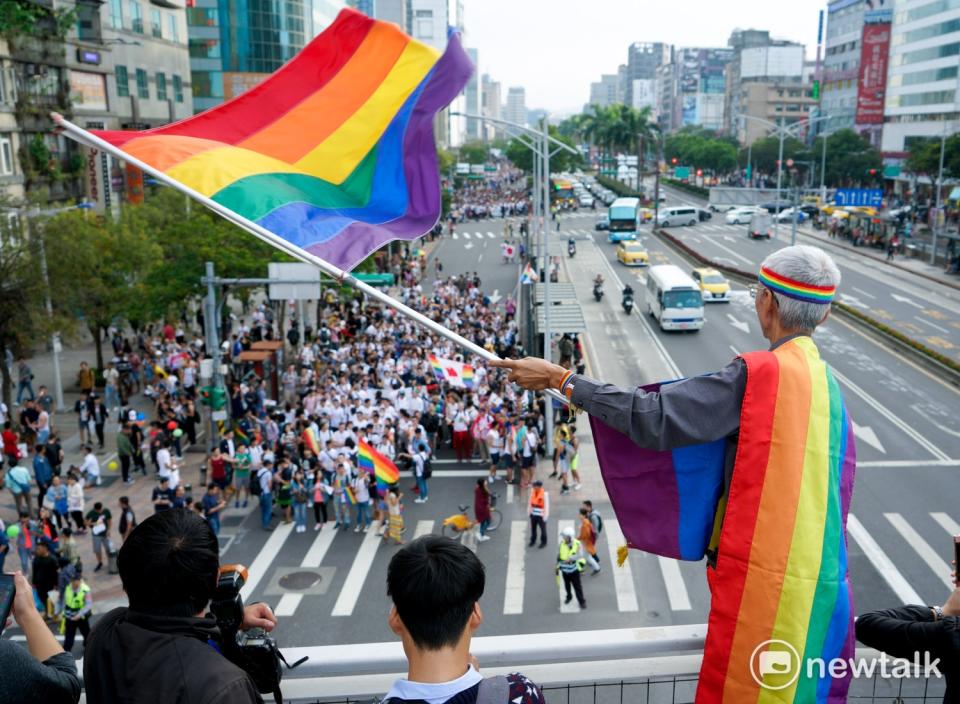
{"x":872,"y":197}
{"x":872,"y":86}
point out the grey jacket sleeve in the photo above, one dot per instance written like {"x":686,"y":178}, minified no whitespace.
{"x":53,"y":681}
{"x":695,"y":410}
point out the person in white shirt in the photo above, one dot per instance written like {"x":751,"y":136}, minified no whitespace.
{"x":167,"y":467}
{"x":90,"y":469}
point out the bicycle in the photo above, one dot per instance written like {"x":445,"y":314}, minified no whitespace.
{"x":456,"y":525}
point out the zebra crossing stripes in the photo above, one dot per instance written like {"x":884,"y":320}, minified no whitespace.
{"x":516,"y":569}
{"x":622,"y":575}
{"x":289,"y":602}
{"x":922,"y":547}
{"x":466,"y":235}
{"x":353,"y":585}
{"x":881,"y":562}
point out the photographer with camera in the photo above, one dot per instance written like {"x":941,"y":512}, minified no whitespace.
{"x":163,"y":648}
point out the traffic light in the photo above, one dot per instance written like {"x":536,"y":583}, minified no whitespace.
{"x":674,"y":161}
{"x":872,"y":172}
{"x":699,"y":172}
{"x":815,"y":93}
{"x":213,"y":396}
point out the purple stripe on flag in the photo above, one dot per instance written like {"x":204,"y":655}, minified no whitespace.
{"x":358,"y":240}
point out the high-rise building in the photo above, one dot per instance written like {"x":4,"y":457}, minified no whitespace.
{"x":643,"y":60}
{"x":841,"y":62}
{"x":606,"y":91}
{"x":699,"y":87}
{"x":490,"y":90}
{"x":473,"y":98}
{"x":764,"y":79}
{"x":396,"y":11}
{"x":515,"y":109}
{"x":922,"y":96}
{"x":367,"y":7}
{"x":235,"y":46}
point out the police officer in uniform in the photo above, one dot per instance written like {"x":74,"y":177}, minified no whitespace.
{"x":77,"y":607}
{"x":570,"y":563}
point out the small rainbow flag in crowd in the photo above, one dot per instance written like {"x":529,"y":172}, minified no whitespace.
{"x":452,"y":372}
{"x":333,"y":153}
{"x":349,"y":496}
{"x":529,"y":275}
{"x":310,"y":440}
{"x":377,"y":464}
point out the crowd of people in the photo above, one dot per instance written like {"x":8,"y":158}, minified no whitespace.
{"x":501,"y":194}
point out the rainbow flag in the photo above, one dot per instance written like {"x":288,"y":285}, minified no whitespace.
{"x":309,"y":439}
{"x":378,"y":465}
{"x":349,"y":495}
{"x":529,"y":275}
{"x":452,"y":372}
{"x":782,"y":574}
{"x":334,"y":152}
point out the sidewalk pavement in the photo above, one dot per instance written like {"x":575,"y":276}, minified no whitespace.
{"x":914,"y":265}
{"x":107,"y":591}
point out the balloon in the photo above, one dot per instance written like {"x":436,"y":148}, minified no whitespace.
{"x":177,"y":433}
{"x":13,"y":531}
{"x":140,"y":416}
{"x":171,"y":425}
{"x":112,"y":465}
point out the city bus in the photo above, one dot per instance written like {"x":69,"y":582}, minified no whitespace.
{"x":624,"y":214}
{"x":562,"y":195}
{"x":673,"y":298}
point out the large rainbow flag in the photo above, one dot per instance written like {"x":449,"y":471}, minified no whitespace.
{"x":334,"y":152}
{"x":780,"y":591}
{"x":377,"y":464}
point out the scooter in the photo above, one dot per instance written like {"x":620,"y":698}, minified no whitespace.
{"x":598,"y":292}
{"x":627,"y":301}
{"x":571,"y":247}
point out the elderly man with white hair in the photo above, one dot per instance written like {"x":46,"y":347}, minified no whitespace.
{"x":751,"y":466}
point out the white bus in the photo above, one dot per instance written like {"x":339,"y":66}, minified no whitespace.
{"x":673,"y":299}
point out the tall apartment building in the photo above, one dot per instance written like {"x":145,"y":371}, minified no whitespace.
{"x":235,"y":46}
{"x":923,"y":93}
{"x":396,"y":11}
{"x":490,"y":94}
{"x":515,"y":109}
{"x":692,"y":88}
{"x":764,"y":79}
{"x":473,"y":98}
{"x":643,"y":60}
{"x":606,"y":91}
{"x":841,"y":62}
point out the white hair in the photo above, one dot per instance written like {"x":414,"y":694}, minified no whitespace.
{"x":810,"y":265}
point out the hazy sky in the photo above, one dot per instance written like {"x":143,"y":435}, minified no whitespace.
{"x":555,"y":48}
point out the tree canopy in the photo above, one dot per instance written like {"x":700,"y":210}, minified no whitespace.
{"x":521,"y":155}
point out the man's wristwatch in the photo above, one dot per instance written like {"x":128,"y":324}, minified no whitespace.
{"x":937,"y":613}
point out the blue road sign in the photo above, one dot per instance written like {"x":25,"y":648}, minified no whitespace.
{"x":872,"y":197}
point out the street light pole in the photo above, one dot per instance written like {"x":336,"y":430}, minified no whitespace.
{"x":547,"y":303}
{"x":776,"y":218}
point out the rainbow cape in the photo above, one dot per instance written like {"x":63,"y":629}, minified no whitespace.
{"x":309,"y":439}
{"x":334,"y":152}
{"x":378,"y":465}
{"x":452,"y":372}
{"x":781,"y":574}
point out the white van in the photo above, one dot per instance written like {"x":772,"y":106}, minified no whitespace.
{"x":673,"y":298}
{"x":677,"y":215}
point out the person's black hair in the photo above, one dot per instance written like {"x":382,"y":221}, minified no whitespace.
{"x":169,"y":564}
{"x":97,"y":506}
{"x":125,"y":500}
{"x":584,"y":511}
{"x":434,"y":583}
{"x":588,"y":502}
{"x":480,"y":481}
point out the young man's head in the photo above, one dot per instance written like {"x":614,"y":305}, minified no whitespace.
{"x":169,"y":564}
{"x":587,"y":504}
{"x":436,"y":585}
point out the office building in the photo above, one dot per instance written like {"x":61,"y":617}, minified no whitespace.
{"x":515,"y":109}
{"x":643,"y":60}
{"x":235,"y":46}
{"x":490,"y":94}
{"x":922,"y":97}
{"x":691,"y":89}
{"x":841,"y":62}
{"x":473,"y":98}
{"x":606,"y":91}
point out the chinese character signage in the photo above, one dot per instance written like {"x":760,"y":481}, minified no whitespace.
{"x":874,"y":53}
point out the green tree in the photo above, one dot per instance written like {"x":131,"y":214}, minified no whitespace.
{"x":474,"y":152}
{"x":850,"y":158}
{"x":522,"y":157}
{"x":766,"y":150}
{"x":923,"y":157}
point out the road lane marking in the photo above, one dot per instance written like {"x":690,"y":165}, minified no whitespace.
{"x":573,"y":607}
{"x":510,"y":491}
{"x":456,"y":236}
{"x":673,"y":581}
{"x":261,"y":563}
{"x":491,"y":235}
{"x":922,"y":548}
{"x":866,"y":433}
{"x":734,"y":253}
{"x":466,"y":235}
{"x":423,"y":528}
{"x":622,"y":576}
{"x":933,"y":325}
{"x":739,"y":324}
{"x":353,"y":585}
{"x":947,"y":523}
{"x":906,"y":464}
{"x":863,"y":293}
{"x":886,"y":413}
{"x":920,"y":412}
{"x":318,"y":549}
{"x":891,"y":575}
{"x":904,"y":299}
{"x":516,"y":559}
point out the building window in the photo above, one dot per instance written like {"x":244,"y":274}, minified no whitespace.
{"x":136,"y":17}
{"x":6,"y":156}
{"x":207,"y":84}
{"x":123,"y":81}
{"x":938,"y":97}
{"x":934,"y":52}
{"x":172,"y":28}
{"x":177,"y":89}
{"x":116,"y":14}
{"x":161,"y":85}
{"x":205,"y":48}
{"x":202,"y":16}
{"x":156,"y":23}
{"x":143,"y":90}
{"x":424,"y":24}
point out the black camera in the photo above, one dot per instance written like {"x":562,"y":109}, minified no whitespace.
{"x":253,"y":651}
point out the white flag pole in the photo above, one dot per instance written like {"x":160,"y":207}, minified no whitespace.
{"x":91,"y":140}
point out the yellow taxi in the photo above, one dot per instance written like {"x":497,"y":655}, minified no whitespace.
{"x":646,"y":214}
{"x":713,"y":285}
{"x":632,"y":253}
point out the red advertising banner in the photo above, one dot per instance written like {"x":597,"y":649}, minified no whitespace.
{"x":874,"y":57}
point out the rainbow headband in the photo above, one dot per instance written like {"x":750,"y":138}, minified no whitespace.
{"x":796,"y":289}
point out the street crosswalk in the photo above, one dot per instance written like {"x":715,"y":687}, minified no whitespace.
{"x":913,"y":561}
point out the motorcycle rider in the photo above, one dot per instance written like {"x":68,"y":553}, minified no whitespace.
{"x":627,"y":295}
{"x":598,"y":287}
{"x":571,"y":246}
